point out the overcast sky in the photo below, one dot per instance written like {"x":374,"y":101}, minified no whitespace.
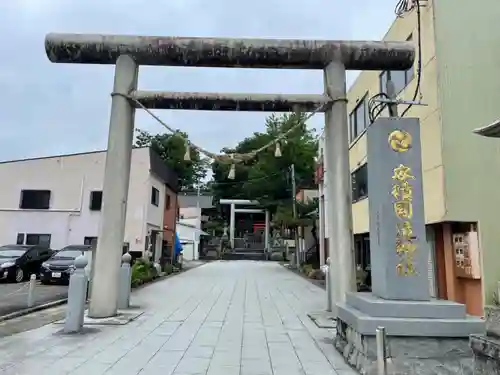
{"x":48,"y":109}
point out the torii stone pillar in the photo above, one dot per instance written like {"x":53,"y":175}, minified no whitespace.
{"x":232,"y":214}
{"x":334,"y":57}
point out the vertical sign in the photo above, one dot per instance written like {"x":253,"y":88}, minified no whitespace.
{"x":398,"y":246}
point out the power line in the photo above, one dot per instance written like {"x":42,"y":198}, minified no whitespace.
{"x":416,"y":3}
{"x":251,"y":180}
{"x":375,"y":108}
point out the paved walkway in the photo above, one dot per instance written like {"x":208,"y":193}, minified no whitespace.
{"x":224,"y":318}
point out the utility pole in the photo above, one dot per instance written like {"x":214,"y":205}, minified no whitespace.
{"x":294,"y":210}
{"x":198,"y":196}
{"x":391,"y":93}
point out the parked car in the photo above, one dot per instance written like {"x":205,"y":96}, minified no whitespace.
{"x":59,"y":267}
{"x":18,"y":262}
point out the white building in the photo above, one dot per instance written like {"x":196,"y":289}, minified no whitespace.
{"x":57,"y":200}
{"x":189,"y":226}
{"x":189,"y":232}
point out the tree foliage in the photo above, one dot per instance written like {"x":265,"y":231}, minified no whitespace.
{"x":266,"y":178}
{"x":306,"y":214}
{"x":171,"y":148}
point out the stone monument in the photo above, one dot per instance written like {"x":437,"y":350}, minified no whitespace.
{"x":425,"y":335}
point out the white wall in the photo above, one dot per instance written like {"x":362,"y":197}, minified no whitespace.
{"x":70,"y":179}
{"x":154,"y":214}
{"x":189,"y":230}
{"x":190,"y":212}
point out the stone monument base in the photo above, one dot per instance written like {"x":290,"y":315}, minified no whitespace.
{"x":423,"y":337}
{"x":486,"y":351}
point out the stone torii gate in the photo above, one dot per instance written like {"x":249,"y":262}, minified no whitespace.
{"x":232,"y":217}
{"x":129,"y":52}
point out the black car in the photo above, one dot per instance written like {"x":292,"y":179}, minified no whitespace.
{"x":18,"y":262}
{"x":60,"y":266}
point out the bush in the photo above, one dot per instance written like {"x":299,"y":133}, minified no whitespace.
{"x":306,"y":269}
{"x":143,"y":272}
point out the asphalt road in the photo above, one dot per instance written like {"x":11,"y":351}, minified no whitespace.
{"x":14,"y":297}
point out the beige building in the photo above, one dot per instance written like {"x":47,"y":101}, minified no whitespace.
{"x":460,"y":85}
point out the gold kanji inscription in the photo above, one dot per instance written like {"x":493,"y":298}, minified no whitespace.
{"x":402,"y":191}
{"x":402,"y":173}
{"x":405,"y":230}
{"x":403,"y":209}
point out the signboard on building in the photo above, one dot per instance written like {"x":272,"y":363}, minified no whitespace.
{"x":399,"y":250}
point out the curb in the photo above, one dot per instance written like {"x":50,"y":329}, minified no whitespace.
{"x":29,"y":310}
{"x":315,"y":282}
{"x":158,"y":279}
{"x":164,"y":277}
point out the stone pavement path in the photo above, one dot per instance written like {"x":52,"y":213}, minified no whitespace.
{"x":224,"y":318}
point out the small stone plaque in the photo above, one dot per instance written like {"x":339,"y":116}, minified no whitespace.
{"x":323,"y":319}
{"x":122,"y":318}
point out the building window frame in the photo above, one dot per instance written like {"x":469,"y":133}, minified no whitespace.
{"x":41,"y":239}
{"x":88,"y":240}
{"x":400,"y":78}
{"x":95,"y":200}
{"x":33,"y":199}
{"x":357,"y":127}
{"x":155,"y":196}
{"x":168,"y":201}
{"x":359,"y":178}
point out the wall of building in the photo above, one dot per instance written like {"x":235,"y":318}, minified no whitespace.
{"x":71,"y":179}
{"x":368,"y":84}
{"x":189,"y":233}
{"x":154,"y":213}
{"x":190,"y":212}
{"x":170,"y":215}
{"x":306,"y":195}
{"x":467,"y":37}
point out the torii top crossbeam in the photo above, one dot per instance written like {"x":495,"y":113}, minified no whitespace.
{"x":224,"y":52}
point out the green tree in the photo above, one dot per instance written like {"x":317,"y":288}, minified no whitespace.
{"x":171,"y":148}
{"x":266,"y":178}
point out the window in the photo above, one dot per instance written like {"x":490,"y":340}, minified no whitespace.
{"x":358,"y":119}
{"x":44,"y":252}
{"x":167,"y":202}
{"x":360,"y":183}
{"x":20,"y":239}
{"x":155,"y":196}
{"x":89,"y":240}
{"x":38,"y":239}
{"x":362,"y":250}
{"x":95,"y":200}
{"x":400,"y":78}
{"x":35,"y":199}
